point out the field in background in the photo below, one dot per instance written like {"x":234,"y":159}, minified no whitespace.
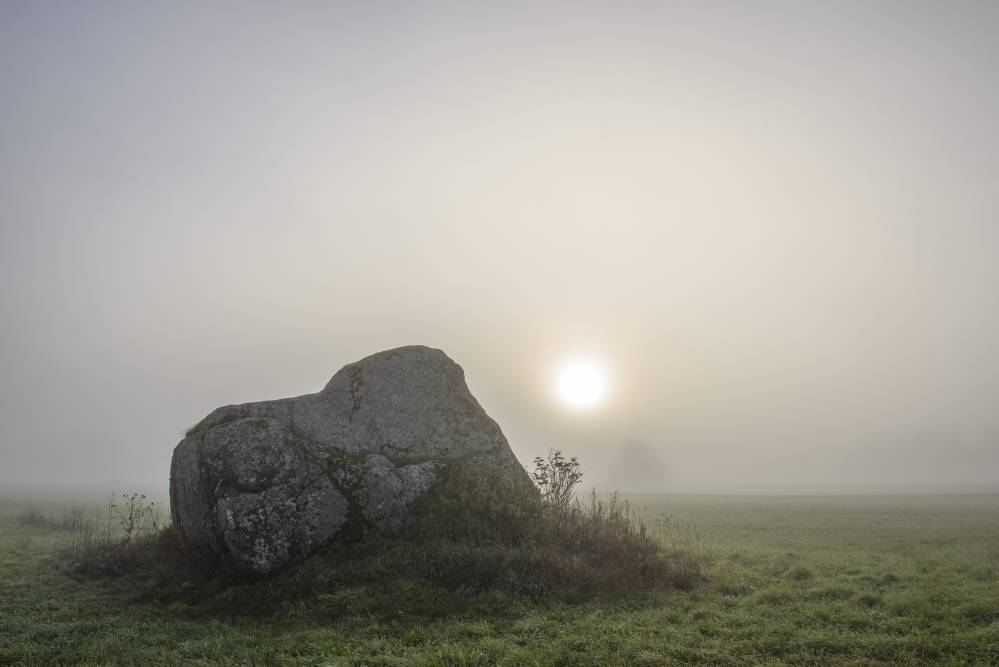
{"x":805,"y":580}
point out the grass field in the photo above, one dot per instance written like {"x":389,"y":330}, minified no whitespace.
{"x":791,"y":580}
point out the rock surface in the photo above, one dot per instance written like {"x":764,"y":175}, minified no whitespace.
{"x":254,"y":486}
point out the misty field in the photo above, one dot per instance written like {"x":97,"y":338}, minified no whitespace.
{"x":799,"y":580}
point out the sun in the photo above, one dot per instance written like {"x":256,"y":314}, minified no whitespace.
{"x":581,"y":383}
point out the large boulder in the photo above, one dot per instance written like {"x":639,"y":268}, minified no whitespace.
{"x":256,"y":485}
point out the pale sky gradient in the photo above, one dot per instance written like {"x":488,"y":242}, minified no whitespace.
{"x":776,"y":223}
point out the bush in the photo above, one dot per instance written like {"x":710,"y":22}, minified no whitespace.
{"x":557,"y":540}
{"x":477,"y":505}
{"x":557,"y":479}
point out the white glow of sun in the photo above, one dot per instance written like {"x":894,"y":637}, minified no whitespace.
{"x":581,"y":383}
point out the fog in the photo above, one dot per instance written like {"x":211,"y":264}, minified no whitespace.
{"x":775,"y":224}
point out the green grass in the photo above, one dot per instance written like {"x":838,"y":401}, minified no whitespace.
{"x":793,"y":580}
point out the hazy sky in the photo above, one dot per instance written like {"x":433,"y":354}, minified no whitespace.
{"x":775,"y":223}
